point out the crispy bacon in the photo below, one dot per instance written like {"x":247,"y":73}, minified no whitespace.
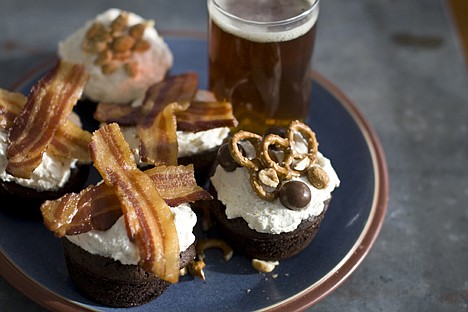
{"x":98,"y":208}
{"x":149,"y":221}
{"x":11,"y":104}
{"x":124,"y":115}
{"x":158,"y":137}
{"x":180,"y":88}
{"x":70,"y":141}
{"x":202,"y":116}
{"x":50,"y":102}
{"x":157,"y":124}
{"x":177,"y":185}
{"x":94,"y":208}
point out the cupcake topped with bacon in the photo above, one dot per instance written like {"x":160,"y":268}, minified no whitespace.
{"x":176,"y":123}
{"x":43,"y":149}
{"x":127,"y":238}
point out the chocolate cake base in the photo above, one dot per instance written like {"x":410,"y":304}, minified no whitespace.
{"x":265,"y":246}
{"x":112,"y":283}
{"x":24,"y":202}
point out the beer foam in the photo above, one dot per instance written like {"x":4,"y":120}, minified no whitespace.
{"x":258,"y":31}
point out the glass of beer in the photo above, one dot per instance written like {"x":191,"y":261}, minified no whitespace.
{"x":260,"y":54}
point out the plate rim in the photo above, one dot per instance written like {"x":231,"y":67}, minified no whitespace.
{"x":50,"y":300}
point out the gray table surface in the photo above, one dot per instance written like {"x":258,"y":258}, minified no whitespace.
{"x":400,"y":62}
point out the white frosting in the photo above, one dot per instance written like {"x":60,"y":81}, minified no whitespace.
{"x":189,"y":143}
{"x":235,"y":192}
{"x":52,"y":174}
{"x":114,"y":243}
{"x":255,"y":29}
{"x":192,"y":143}
{"x":118,"y":87}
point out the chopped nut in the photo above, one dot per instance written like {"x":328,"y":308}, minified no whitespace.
{"x":264,"y":266}
{"x":114,"y":46}
{"x":141,"y":46}
{"x":131,"y":69}
{"x":269,"y":177}
{"x":121,"y":56}
{"x":103,"y":57}
{"x":102,"y":36}
{"x":318,"y":177}
{"x":94,"y":30}
{"x":109,"y":68}
{"x":98,"y":46}
{"x":123,"y":43}
{"x":94,"y":46}
{"x":195,"y":268}
{"x":302,"y":164}
{"x":137,"y":30}
{"x":120,"y":23}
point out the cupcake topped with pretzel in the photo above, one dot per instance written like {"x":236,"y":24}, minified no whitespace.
{"x":272,"y":189}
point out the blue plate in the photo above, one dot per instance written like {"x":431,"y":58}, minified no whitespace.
{"x":31,"y":258}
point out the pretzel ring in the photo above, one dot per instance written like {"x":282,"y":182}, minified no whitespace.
{"x":237,"y":154}
{"x":309,"y":136}
{"x":283,"y":169}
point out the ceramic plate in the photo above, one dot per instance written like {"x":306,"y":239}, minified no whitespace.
{"x":31,"y":257}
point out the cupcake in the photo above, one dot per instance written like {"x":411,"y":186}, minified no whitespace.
{"x":272,"y":192}
{"x":194,"y":120}
{"x":126,"y":239}
{"x":43,"y":149}
{"x":123,"y":54}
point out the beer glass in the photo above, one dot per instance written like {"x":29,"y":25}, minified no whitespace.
{"x":260,"y":54}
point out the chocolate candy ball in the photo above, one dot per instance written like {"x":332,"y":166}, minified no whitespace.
{"x":225,"y":159}
{"x":294,"y":195}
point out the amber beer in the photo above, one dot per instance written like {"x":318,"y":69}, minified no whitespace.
{"x":261,"y":63}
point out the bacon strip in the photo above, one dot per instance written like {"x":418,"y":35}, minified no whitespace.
{"x":180,"y":88}
{"x":70,"y":141}
{"x":158,"y":139}
{"x":94,"y":208}
{"x":98,"y":208}
{"x":50,"y":102}
{"x":177,"y":184}
{"x":149,"y":221}
{"x":124,"y":115}
{"x":202,"y":116}
{"x":11,"y":104}
{"x":157,"y":124}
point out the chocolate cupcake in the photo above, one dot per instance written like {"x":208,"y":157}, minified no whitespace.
{"x":43,"y":149}
{"x":112,"y":283}
{"x":272,"y":192}
{"x":127,"y":238}
{"x":24,"y":201}
{"x":103,"y":265}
